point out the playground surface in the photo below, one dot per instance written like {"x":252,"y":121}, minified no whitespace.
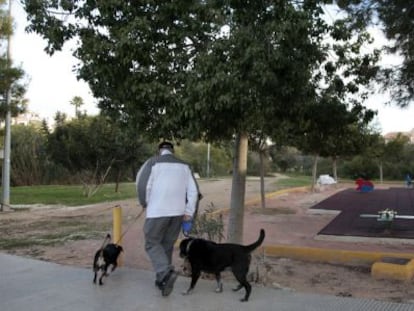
{"x":353,"y":206}
{"x":288,"y":220}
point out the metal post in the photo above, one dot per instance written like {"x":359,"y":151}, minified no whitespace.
{"x":5,"y":206}
{"x":117,"y":228}
{"x":6,"y":162}
{"x":208,"y":161}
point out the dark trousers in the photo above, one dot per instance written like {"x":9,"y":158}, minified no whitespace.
{"x":160,"y":236}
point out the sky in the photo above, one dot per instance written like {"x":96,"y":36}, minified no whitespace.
{"x":53,"y":84}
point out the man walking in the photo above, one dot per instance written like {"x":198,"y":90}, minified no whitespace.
{"x":167,"y":188}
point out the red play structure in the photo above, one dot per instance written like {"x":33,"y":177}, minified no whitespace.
{"x":364,"y":185}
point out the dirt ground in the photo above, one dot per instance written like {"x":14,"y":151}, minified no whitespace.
{"x":71,"y":235}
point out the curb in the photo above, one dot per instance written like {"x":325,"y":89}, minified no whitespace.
{"x":390,"y":269}
{"x":403,"y":271}
{"x":333,"y":256}
{"x":277,"y":193}
{"x":267,"y":195}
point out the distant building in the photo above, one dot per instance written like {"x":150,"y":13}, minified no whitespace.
{"x":393,"y":135}
{"x":26,"y":119}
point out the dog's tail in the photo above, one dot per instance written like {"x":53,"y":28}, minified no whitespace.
{"x":250,"y":248}
{"x":105,"y":242}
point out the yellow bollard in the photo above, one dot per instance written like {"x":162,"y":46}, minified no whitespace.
{"x":117,"y":228}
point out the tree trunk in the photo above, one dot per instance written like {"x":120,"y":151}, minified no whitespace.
{"x":335,"y":168}
{"x":118,"y":178}
{"x":235,"y":227}
{"x":262,"y":183}
{"x":314,"y":172}
{"x":381,"y":173}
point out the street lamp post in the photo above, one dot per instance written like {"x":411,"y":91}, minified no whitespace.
{"x":208,"y":161}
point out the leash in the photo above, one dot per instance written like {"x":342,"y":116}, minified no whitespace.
{"x":104,"y":243}
{"x":130,"y":225}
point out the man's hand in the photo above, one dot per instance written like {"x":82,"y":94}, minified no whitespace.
{"x":187,"y":224}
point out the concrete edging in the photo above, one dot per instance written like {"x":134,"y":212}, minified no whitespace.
{"x":379,"y":269}
{"x":399,"y":272}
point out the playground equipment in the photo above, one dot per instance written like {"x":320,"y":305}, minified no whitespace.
{"x":387,"y":215}
{"x":364,"y":185}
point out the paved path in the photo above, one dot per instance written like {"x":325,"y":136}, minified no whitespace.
{"x":27,"y":284}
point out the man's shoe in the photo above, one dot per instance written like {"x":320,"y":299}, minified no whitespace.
{"x":168,"y":283}
{"x":158,"y":284}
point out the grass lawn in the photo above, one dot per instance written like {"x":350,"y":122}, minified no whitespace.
{"x":294,"y":181}
{"x":72,"y":195}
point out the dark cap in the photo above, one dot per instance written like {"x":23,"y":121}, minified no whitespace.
{"x":166,"y":145}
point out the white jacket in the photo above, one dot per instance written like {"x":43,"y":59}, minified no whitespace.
{"x":166,"y":187}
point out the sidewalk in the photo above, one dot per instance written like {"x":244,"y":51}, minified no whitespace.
{"x":27,"y":284}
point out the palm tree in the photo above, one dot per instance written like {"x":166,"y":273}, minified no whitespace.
{"x":77,"y":101}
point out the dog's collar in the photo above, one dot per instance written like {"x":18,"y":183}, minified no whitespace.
{"x":187,"y":249}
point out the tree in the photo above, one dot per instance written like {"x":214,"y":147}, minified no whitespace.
{"x":129,"y":149}
{"x":331,"y":130}
{"x":196,"y":154}
{"x":253,"y":76}
{"x":394,"y":151}
{"x":77,"y":149}
{"x":60,"y":118}
{"x":193,"y":69}
{"x":350,"y":142}
{"x":176,"y":75}
{"x":284,"y":158}
{"x":10,"y":77}
{"x":385,"y":154}
{"x":77,"y":102}
{"x":408,"y":161}
{"x":259,"y":144}
{"x":135,"y":65}
{"x":29,"y":165}
{"x":334,"y":121}
{"x":91,"y":147}
{"x":396,"y":19}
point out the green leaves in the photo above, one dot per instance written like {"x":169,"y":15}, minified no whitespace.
{"x":10,"y":77}
{"x":396,"y":20}
{"x":205,"y":68}
{"x":6,"y":27}
{"x":165,"y":68}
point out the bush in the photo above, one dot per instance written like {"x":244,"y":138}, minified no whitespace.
{"x":209,"y":225}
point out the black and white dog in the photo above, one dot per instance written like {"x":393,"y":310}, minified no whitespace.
{"x":106,"y":256}
{"x":211,"y":257}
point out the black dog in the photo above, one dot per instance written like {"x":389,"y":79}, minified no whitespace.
{"x":211,"y":257}
{"x":105,"y":257}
